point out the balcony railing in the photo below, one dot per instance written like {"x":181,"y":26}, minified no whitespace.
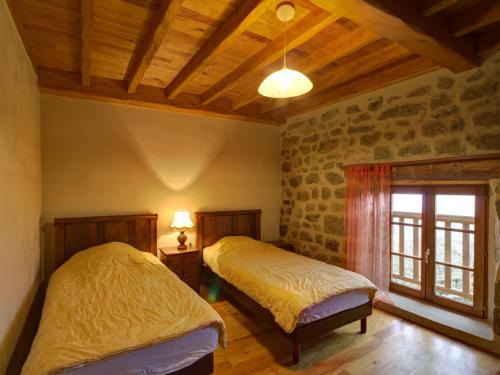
{"x":454,"y":253}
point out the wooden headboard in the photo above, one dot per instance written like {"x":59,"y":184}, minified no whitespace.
{"x":79,"y":233}
{"x":212,"y":226}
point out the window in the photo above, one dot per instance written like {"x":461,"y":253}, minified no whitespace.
{"x":438,"y":244}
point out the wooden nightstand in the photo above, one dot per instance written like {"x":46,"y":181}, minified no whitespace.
{"x":185,"y":264}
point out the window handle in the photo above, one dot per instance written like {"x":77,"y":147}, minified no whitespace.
{"x":427,"y":255}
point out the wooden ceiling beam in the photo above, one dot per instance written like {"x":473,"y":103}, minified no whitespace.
{"x":482,"y":14}
{"x":244,"y":15}
{"x":87,"y":15}
{"x":58,"y":82}
{"x":488,"y":41}
{"x":327,"y":54}
{"x":408,"y":67}
{"x":299,"y":33}
{"x":401,"y":22}
{"x":430,"y":7}
{"x":165,"y":16}
{"x":345,"y":72}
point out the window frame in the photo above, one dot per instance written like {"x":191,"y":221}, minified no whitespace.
{"x":398,"y":287}
{"x":427,"y":291}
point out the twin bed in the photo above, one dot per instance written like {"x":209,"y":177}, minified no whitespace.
{"x":301,"y":297}
{"x":112,"y":309}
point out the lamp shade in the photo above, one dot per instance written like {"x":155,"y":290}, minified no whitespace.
{"x":285,"y":83}
{"x":182,"y":220}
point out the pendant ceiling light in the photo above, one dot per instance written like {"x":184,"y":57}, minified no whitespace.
{"x":285,"y":83}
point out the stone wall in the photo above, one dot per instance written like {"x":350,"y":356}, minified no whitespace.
{"x":432,"y":116}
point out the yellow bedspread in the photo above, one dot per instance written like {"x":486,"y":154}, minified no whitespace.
{"x":110,"y":299}
{"x":283,"y":282}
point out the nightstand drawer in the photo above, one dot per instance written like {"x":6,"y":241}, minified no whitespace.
{"x":183,"y":258}
{"x":177,"y":269}
{"x":191,"y":258}
{"x":185,"y":271}
{"x":175,"y":259}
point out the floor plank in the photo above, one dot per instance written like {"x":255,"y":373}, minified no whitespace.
{"x":391,"y":346}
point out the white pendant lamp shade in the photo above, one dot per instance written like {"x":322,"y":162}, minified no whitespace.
{"x":285,"y":83}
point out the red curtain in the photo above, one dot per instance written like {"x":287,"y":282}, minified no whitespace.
{"x":367,"y":215}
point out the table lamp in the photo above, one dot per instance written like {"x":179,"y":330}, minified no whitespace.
{"x":182,"y":221}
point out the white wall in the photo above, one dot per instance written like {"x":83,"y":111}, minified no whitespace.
{"x":102,"y":158}
{"x":20,"y":185}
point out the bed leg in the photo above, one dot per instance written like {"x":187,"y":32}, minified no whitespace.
{"x":363,"y":325}
{"x":296,"y":353}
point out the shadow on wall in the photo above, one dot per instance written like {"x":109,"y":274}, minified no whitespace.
{"x":106,"y":159}
{"x":128,"y":167}
{"x":188,"y":156}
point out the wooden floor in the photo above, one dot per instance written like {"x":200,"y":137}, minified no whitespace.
{"x":392,"y":346}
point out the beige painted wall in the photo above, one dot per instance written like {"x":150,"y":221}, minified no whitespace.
{"x":102,"y":158}
{"x":20,"y":185}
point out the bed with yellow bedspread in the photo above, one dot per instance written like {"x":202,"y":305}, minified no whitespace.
{"x":284,"y":283}
{"x":112,"y":299}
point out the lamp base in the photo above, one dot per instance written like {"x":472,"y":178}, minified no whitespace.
{"x":182,"y":238}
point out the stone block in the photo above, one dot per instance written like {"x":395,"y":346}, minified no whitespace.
{"x":334,"y":225}
{"x":370,"y":139}
{"x":403,"y":110}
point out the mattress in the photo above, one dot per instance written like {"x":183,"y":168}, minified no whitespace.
{"x":333,"y":305}
{"x":161,"y":358}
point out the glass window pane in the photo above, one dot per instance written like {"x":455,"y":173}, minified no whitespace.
{"x":406,"y":272}
{"x":462,"y":249}
{"x":455,"y":248}
{"x":406,"y":240}
{"x":454,"y":284}
{"x":409,"y":203}
{"x":395,"y":264}
{"x":395,"y":238}
{"x":455,"y":205}
{"x":408,"y":267}
{"x":440,"y":246}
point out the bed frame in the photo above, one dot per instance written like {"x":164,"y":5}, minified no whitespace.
{"x":211,"y":226}
{"x":140,"y":231}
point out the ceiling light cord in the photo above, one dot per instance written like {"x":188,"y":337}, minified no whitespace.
{"x":284,"y":47}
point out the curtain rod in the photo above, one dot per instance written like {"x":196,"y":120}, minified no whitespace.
{"x":455,"y":159}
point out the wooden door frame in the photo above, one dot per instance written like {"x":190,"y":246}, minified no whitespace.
{"x":428,"y":192}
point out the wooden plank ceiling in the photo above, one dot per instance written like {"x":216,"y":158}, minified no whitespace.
{"x":209,"y":57}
